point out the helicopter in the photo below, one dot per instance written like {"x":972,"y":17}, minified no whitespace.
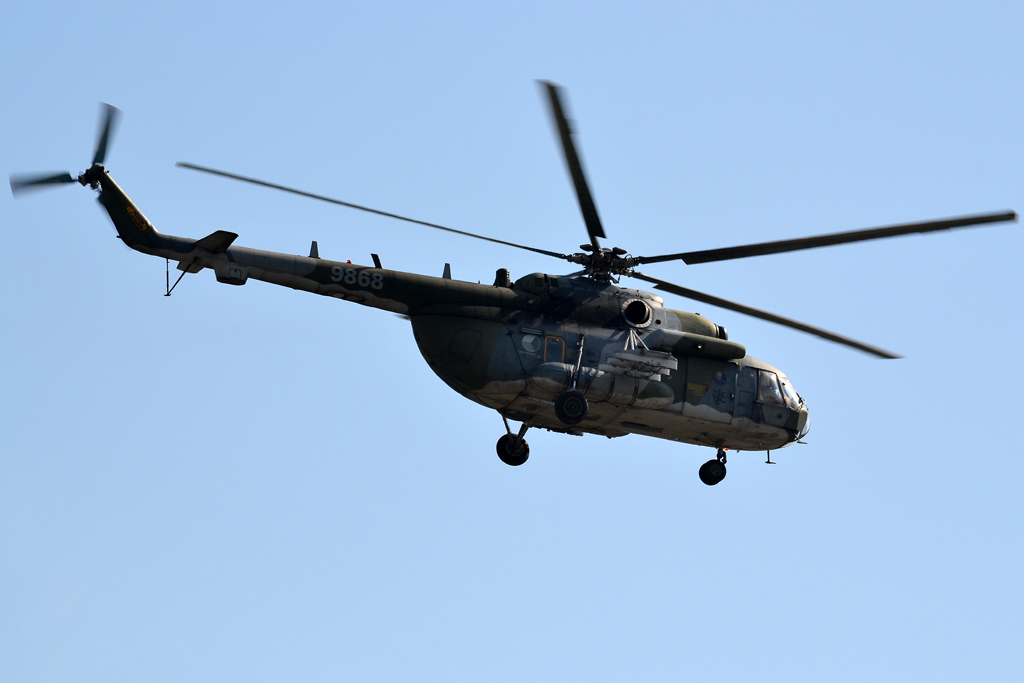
{"x":575,"y":354}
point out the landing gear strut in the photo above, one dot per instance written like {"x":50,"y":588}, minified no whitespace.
{"x":713,"y":471}
{"x":512,"y":448}
{"x":571,"y":406}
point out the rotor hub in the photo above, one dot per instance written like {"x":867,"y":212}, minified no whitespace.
{"x":92,"y":176}
{"x":604,"y":264}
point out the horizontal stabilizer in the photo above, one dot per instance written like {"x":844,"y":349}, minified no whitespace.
{"x":217,"y":242}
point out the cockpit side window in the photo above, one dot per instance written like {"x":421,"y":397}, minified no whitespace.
{"x":768,"y":389}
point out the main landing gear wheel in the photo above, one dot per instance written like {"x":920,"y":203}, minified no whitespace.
{"x":571,"y":407}
{"x":513,"y":450}
{"x":713,"y":471}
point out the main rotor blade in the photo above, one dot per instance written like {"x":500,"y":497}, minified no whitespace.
{"x":367,"y":209}
{"x":26,"y":182}
{"x":763,"y":315}
{"x":108,"y":125}
{"x":781,"y":246}
{"x":572,"y":160}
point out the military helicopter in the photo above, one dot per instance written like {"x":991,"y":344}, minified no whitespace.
{"x":576,"y":354}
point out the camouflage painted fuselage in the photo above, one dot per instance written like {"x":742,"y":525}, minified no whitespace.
{"x":515,"y":347}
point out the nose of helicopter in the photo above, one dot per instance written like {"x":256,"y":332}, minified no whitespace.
{"x":803,"y":423}
{"x":799,"y":421}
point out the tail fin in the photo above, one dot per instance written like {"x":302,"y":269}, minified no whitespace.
{"x":131,"y":224}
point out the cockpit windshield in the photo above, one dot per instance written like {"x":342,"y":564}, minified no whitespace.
{"x":792,"y":398}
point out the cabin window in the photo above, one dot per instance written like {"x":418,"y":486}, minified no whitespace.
{"x":768,"y":389}
{"x":554,"y":350}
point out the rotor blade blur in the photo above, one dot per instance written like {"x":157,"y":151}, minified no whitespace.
{"x":24,"y":182}
{"x":108,"y":125}
{"x":763,"y":315}
{"x":782,"y":246}
{"x":274,"y":186}
{"x":572,"y":160}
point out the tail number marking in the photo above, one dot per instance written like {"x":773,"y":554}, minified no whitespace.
{"x":351,"y":276}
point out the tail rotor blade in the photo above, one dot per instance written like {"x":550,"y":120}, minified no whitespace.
{"x":28,"y":182}
{"x":109,"y":123}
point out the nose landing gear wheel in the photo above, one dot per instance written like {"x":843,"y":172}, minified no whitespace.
{"x":713,"y":471}
{"x":512,"y":450}
{"x":571,"y":407}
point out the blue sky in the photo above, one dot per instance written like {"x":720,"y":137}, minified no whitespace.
{"x":257,"y":484}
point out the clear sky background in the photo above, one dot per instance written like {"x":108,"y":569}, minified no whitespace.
{"x":257,"y":484}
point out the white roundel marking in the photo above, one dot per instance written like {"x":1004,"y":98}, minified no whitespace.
{"x":531,"y":343}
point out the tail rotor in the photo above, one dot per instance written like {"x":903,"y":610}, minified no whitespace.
{"x":22,"y":183}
